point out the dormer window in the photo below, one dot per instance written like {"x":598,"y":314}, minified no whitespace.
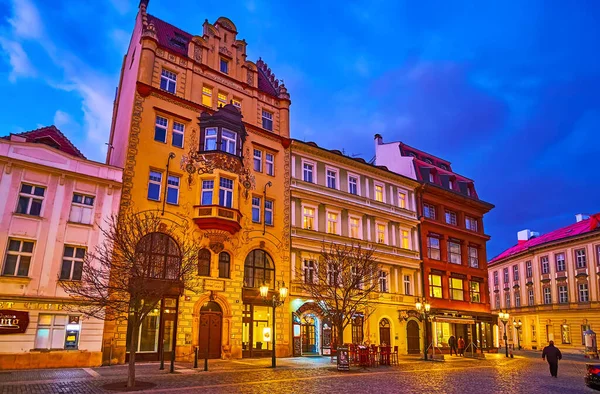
{"x":223,"y":131}
{"x":428,"y":161}
{"x":444,"y":167}
{"x":431,"y":177}
{"x":412,"y":154}
{"x":450,"y":184}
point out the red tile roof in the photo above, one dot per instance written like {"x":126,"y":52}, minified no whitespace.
{"x":53,"y":137}
{"x":582,"y":227}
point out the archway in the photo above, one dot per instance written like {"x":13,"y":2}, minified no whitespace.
{"x":211,"y":322}
{"x":313,"y":334}
{"x":412,"y":337}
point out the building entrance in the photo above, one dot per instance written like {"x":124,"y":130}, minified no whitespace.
{"x":211,"y":321}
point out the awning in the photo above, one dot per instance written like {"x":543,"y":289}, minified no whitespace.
{"x":456,"y":320}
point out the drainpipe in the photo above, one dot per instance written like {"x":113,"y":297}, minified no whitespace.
{"x":268,"y":184}
{"x":419,"y":205}
{"x":171,"y":156}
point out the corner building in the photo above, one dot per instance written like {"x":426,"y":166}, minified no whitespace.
{"x":203,"y":135}
{"x":342,"y":200}
{"x":453,"y":245}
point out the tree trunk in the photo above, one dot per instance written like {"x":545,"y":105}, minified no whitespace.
{"x":340,"y":334}
{"x":133,"y":344}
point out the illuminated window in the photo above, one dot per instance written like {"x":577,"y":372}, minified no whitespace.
{"x":379,"y":193}
{"x":308,"y":216}
{"x":237,"y":103}
{"x":405,"y":239}
{"x":221,"y":100}
{"x":435,"y":286}
{"x":402,"y":200}
{"x":380,"y":233}
{"x":332,"y":222}
{"x":474,"y":291}
{"x":456,"y":289}
{"x":354,"y":227}
{"x":565,"y":333}
{"x":207,"y":96}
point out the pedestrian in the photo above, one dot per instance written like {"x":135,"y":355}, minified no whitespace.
{"x":452,"y":344}
{"x":461,"y":346}
{"x":552,"y":355}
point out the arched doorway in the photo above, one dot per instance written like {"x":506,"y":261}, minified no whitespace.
{"x":309,"y":337}
{"x":384,"y":332}
{"x":412,"y":337}
{"x":211,"y":321}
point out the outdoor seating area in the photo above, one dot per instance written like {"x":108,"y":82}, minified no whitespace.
{"x":372,"y":355}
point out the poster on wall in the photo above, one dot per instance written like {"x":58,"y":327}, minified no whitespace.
{"x":13,"y":322}
{"x":266,"y":334}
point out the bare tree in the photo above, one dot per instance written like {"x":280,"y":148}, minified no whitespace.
{"x":142,"y":258}
{"x":345,"y":278}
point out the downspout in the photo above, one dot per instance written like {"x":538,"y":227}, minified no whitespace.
{"x":171,"y":156}
{"x":418,"y":210}
{"x":268,"y":184}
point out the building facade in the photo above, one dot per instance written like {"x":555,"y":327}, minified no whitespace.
{"x":341,"y":200}
{"x":53,"y":201}
{"x":453,"y":245}
{"x":203,"y":136}
{"x":551,"y":285}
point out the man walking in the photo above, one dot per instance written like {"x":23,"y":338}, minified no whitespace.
{"x":452,"y":344}
{"x":552,"y":355}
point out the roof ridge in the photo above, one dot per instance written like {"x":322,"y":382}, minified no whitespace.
{"x":55,"y":129}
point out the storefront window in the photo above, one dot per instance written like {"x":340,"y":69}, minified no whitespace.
{"x":565,"y":332}
{"x":443,"y":332}
{"x":256,"y":329}
{"x":148,"y":332}
{"x":50,"y":332}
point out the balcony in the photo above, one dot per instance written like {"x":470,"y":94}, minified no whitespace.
{"x":216,"y":217}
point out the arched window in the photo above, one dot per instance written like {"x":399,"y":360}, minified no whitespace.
{"x":258,"y":269}
{"x":224,"y":264}
{"x":159,"y":256}
{"x":204,"y":262}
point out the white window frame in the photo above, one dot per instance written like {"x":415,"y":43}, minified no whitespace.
{"x":405,"y":238}
{"x":531,"y":297}
{"x":359,"y":228}
{"x":432,"y":209}
{"x":206,"y":189}
{"x":170,"y":79}
{"x":269,"y":118}
{"x":313,"y":171}
{"x":515,"y":271}
{"x":528,"y":269}
{"x":547,"y":293}
{"x":429,"y":248}
{"x":357,"y":177}
{"x":267,"y":209}
{"x":517,"y":299}
{"x":407,"y":280}
{"x":178,"y":131}
{"x":545,"y":261}
{"x":563,"y":260}
{"x":470,"y":223}
{"x":563,"y":294}
{"x":335,"y":173}
{"x":382,"y":185}
{"x":450,"y":253}
{"x":403,"y":199}
{"x":227,"y":192}
{"x":581,"y":291}
{"x":270,"y":164}
{"x":257,"y":156}
{"x":451,"y":218}
{"x":507,"y":299}
{"x":256,"y":205}
{"x":54,"y":329}
{"x":211,"y":137}
{"x":385,"y":232}
{"x":581,"y":259}
{"x":309,"y":265}
{"x":158,"y":124}
{"x":30,"y":198}
{"x":154,"y":182}
{"x":315,"y":219}
{"x":228,"y":142}
{"x":72,"y":260}
{"x":79,"y":208}
{"x":337,"y":221}
{"x":19,"y":253}
{"x":383,"y":281}
{"x":473,"y":260}
{"x":171,"y":185}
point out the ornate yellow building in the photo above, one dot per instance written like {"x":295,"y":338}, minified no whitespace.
{"x":203,"y":134}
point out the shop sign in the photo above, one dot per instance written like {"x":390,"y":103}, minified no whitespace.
{"x":343,"y":360}
{"x":214,"y":285}
{"x":266,"y":334}
{"x":13,"y":322}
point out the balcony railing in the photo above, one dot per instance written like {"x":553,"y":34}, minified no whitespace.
{"x":216,"y":217}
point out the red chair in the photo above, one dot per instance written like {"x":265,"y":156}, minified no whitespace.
{"x":384,"y":355}
{"x":395,"y":356}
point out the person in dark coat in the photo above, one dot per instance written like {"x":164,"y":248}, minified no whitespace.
{"x":461,"y":346}
{"x":552,"y":355}
{"x":452,"y":344}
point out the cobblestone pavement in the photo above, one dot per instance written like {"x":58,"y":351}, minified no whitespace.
{"x":526,"y":373}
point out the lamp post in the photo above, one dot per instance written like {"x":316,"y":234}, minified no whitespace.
{"x":277,"y":299}
{"x":424,"y":307}
{"x":518,"y":325}
{"x":503,"y":316}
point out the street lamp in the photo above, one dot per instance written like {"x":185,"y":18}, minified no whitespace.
{"x":424,"y":307}
{"x":277,"y":299}
{"x":503,"y":316}
{"x":518,"y":327}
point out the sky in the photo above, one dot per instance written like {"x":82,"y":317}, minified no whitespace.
{"x":507,"y":91}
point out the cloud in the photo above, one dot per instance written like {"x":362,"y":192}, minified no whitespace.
{"x":26,"y":21}
{"x":120,"y":39}
{"x":18,"y":59}
{"x":122,"y":6}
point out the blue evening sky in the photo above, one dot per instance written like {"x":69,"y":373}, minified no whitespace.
{"x":508,"y":91}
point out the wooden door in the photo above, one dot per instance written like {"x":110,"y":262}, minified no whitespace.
{"x":210,"y":334}
{"x":384,"y":335}
{"x":308,"y":338}
{"x":412,"y":337}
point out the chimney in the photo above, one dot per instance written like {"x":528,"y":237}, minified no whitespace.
{"x":526,"y":235}
{"x":581,"y":216}
{"x":378,"y":139}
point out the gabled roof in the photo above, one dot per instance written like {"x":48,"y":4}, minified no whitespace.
{"x":585,"y":226}
{"x":51,"y":136}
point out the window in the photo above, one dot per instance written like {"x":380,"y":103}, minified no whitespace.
{"x":544,"y":264}
{"x":154,"y":185}
{"x":507,"y":299}
{"x":454,"y":255}
{"x":402,"y":200}
{"x":308,"y":216}
{"x":168,"y":81}
{"x":225,"y":192}
{"x":269,"y":212}
{"x":383,"y":281}
{"x":435,"y":286}
{"x":72,"y":264}
{"x":228,"y":141}
{"x":565,"y":333}
{"x":354,"y":227}
{"x":517,"y":299}
{"x":207,"y":96}
{"x":173,"y":189}
{"x":581,"y":258}
{"x":497,"y":301}
{"x":380,"y":233}
{"x":257,"y":160}
{"x":307,"y":173}
{"x":474,"y":291}
{"x":207,"y":192}
{"x":332,"y":223}
{"x":547,"y":296}
{"x":598,"y":254}
{"x":515,"y":272}
{"x":332,"y":179}
{"x":210,"y":138}
{"x":30,"y":199}
{"x":531,"y":297}
{"x":379,"y":193}
{"x":224,"y":265}
{"x":560,"y":262}
{"x":159,"y":256}
{"x":407,"y":285}
{"x":256,"y":204}
{"x":224,"y":66}
{"x":309,"y":269}
{"x":533,"y":333}
{"x":82,"y":207}
{"x":583,"y":292}
{"x":51,"y":331}
{"x":204,"y":256}
{"x":332,"y":275}
{"x":177,"y":137}
{"x":451,"y":218}
{"x":431,"y":178}
{"x":237,"y":103}
{"x":221,"y":100}
{"x":470,"y":223}
{"x":528,"y":269}
{"x":405,"y":240}
{"x":353,"y":185}
{"x":456,"y":289}
{"x":506,"y":278}
{"x":433,"y":248}
{"x":495,"y":278}
{"x":267,"y":120}
{"x":160,"y":129}
{"x":270,"y":164}
{"x":473,"y":257}
{"x":18,"y":258}
{"x":429,"y":211}
{"x":259,"y":269}
{"x":563,"y":294}
{"x":357,"y":330}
